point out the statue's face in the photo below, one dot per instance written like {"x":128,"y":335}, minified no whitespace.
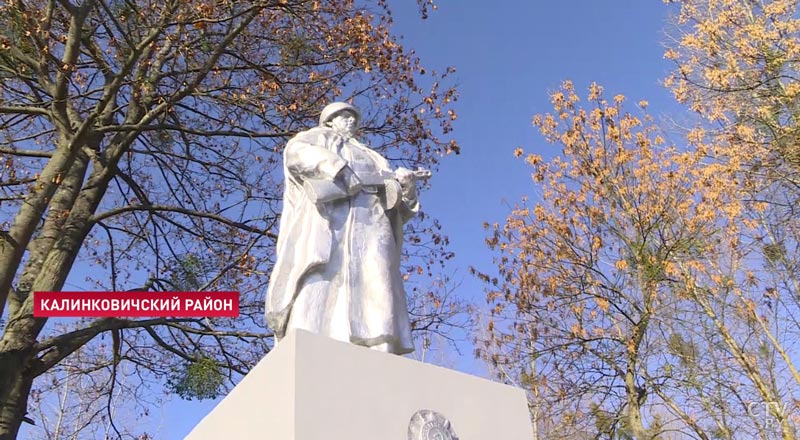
{"x":344,"y":122}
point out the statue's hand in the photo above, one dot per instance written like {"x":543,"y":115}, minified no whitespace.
{"x":350,"y":181}
{"x":405,"y":176}
{"x":422,"y":174}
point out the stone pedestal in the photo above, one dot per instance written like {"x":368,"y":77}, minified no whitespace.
{"x":314,"y":388}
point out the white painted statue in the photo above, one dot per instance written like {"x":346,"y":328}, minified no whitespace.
{"x":337,"y":270}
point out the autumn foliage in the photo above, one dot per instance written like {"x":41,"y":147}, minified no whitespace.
{"x":650,"y":289}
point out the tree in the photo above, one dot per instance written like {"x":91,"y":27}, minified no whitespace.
{"x":141,"y":151}
{"x":737,"y":66}
{"x":717,"y":357}
{"x":74,"y":401}
{"x":632,"y":272}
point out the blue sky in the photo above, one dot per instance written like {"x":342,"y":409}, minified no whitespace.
{"x":508,"y":60}
{"x":509,"y":56}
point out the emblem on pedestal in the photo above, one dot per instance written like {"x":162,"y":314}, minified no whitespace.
{"x":430,"y":425}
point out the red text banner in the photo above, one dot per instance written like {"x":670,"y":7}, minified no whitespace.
{"x":136,"y":304}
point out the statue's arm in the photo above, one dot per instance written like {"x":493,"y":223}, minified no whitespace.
{"x":409,"y":206}
{"x":323,"y":174}
{"x":307,"y":161}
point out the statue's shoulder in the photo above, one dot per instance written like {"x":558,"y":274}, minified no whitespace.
{"x":312,"y":135}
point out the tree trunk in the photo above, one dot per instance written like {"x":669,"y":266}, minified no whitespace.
{"x":633,"y":407}
{"x":61,"y":204}
{"x":22,"y":229}
{"x":19,"y":363}
{"x":17,"y":370}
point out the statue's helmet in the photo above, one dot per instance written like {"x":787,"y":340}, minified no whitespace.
{"x":333,"y":108}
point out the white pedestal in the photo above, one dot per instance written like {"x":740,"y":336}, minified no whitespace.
{"x":314,"y":388}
